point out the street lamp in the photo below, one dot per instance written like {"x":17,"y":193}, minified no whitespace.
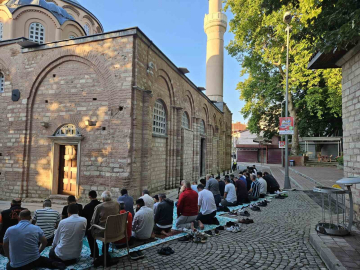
{"x":287,"y":20}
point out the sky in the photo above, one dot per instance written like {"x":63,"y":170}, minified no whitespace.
{"x":177,"y":28}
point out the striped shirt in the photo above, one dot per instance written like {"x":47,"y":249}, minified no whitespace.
{"x":255,"y":186}
{"x":47,"y":219}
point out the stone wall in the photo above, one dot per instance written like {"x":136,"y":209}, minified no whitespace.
{"x":351,"y":123}
{"x":187,"y":155}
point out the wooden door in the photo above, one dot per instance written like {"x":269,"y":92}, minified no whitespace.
{"x":68,"y":169}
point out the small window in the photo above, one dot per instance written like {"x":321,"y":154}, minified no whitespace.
{"x":159,"y":118}
{"x":37,"y":33}
{"x":72,"y":37}
{"x":185,"y":123}
{"x":202,"y":127}
{"x":1,"y":30}
{"x":87,"y":29}
{"x":2,"y":83}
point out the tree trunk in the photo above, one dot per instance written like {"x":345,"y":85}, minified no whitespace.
{"x":295,"y":148}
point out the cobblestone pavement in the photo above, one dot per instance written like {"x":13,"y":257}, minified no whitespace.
{"x":279,"y":239}
{"x":326,"y":176}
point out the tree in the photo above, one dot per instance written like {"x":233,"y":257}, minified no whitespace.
{"x":260,"y":45}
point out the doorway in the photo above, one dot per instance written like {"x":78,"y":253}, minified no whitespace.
{"x":202,"y":157}
{"x":67,"y":169}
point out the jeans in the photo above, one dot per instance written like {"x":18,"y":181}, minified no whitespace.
{"x":184,"y":222}
{"x":206,"y":219}
{"x":217,"y":199}
{"x":226,"y":203}
{"x":53,"y":256}
{"x":42,"y":262}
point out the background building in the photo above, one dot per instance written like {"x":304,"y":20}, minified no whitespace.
{"x":108,"y":110}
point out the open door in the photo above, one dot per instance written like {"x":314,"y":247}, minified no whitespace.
{"x":67,"y":169}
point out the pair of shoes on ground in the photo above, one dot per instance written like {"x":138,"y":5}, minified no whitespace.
{"x":235,"y":228}
{"x":136,"y":255}
{"x":233,"y":213}
{"x":281,"y":196}
{"x":220,"y":228}
{"x":230,"y":223}
{"x":200,"y":238}
{"x":166,"y":251}
{"x":255,"y":208}
{"x":244,"y":213}
{"x":246,"y":221}
{"x":262,"y":204}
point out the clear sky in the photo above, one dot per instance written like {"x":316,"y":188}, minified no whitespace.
{"x":177,"y":28}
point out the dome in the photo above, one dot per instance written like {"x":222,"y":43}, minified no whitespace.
{"x":60,"y":13}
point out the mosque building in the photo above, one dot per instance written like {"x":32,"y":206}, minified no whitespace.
{"x":84,"y":109}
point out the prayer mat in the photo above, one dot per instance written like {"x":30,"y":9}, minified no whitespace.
{"x":136,"y":242}
{"x":172,"y":233}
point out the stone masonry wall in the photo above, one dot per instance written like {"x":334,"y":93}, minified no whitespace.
{"x":66,"y":85}
{"x":187,"y":155}
{"x":351,"y":124}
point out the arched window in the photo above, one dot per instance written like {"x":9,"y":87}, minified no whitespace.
{"x":68,"y":130}
{"x":1,"y":30}
{"x":159,"y":118}
{"x":202,"y":127}
{"x":71,"y":37}
{"x":87,"y":29}
{"x":37,"y":33}
{"x":185,"y":122}
{"x":2,"y":83}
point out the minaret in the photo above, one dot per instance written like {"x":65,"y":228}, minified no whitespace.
{"x":215,"y":28}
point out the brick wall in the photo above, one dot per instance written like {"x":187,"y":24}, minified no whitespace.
{"x":351,"y":124}
{"x":187,"y":154}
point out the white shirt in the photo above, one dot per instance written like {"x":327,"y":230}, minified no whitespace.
{"x":68,"y":239}
{"x":148,"y":200}
{"x":263,"y":185}
{"x":231,"y":193}
{"x":143,"y":223}
{"x":207,"y":202}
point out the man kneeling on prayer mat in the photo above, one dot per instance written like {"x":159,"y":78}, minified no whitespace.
{"x":164,"y":216}
{"x":68,"y":238}
{"x":143,"y":223}
{"x":207,"y":207}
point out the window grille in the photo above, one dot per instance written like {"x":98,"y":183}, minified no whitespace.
{"x":159,"y":118}
{"x":37,"y":33}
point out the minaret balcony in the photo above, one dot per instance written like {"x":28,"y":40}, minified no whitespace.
{"x":215,"y":19}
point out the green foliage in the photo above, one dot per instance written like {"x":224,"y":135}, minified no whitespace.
{"x":340,"y":160}
{"x":260,"y":46}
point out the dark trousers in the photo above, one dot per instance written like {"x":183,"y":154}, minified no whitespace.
{"x":50,"y":241}
{"x":226,"y":203}
{"x":251,"y":198}
{"x":53,"y":256}
{"x":91,"y":244}
{"x":273,"y":189}
{"x":90,"y":239}
{"x":206,"y":219}
{"x":42,"y":262}
{"x":217,"y":199}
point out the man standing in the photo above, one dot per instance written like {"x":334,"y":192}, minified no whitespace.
{"x":128,"y":200}
{"x":255,"y":189}
{"x":221,"y":186}
{"x":148,"y":200}
{"x":263,"y":185}
{"x":230,"y":198}
{"x":164,"y":216}
{"x":68,"y":239}
{"x":143,"y":223}
{"x":101,"y":213}
{"x":70,"y":200}
{"x":87,"y":213}
{"x":21,"y":246}
{"x":48,"y":220}
{"x":272,"y":184}
{"x":213,"y":186}
{"x":10,"y":217}
{"x":207,"y":206}
{"x":187,"y":208}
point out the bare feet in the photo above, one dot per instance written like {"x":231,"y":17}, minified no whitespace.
{"x":165,"y":233}
{"x":193,"y":227}
{"x":153,"y":235}
{"x":201,"y":225}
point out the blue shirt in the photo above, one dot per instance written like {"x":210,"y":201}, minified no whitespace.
{"x":129,"y":203}
{"x":23,"y":239}
{"x":243,"y":178}
{"x":194,"y":188}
